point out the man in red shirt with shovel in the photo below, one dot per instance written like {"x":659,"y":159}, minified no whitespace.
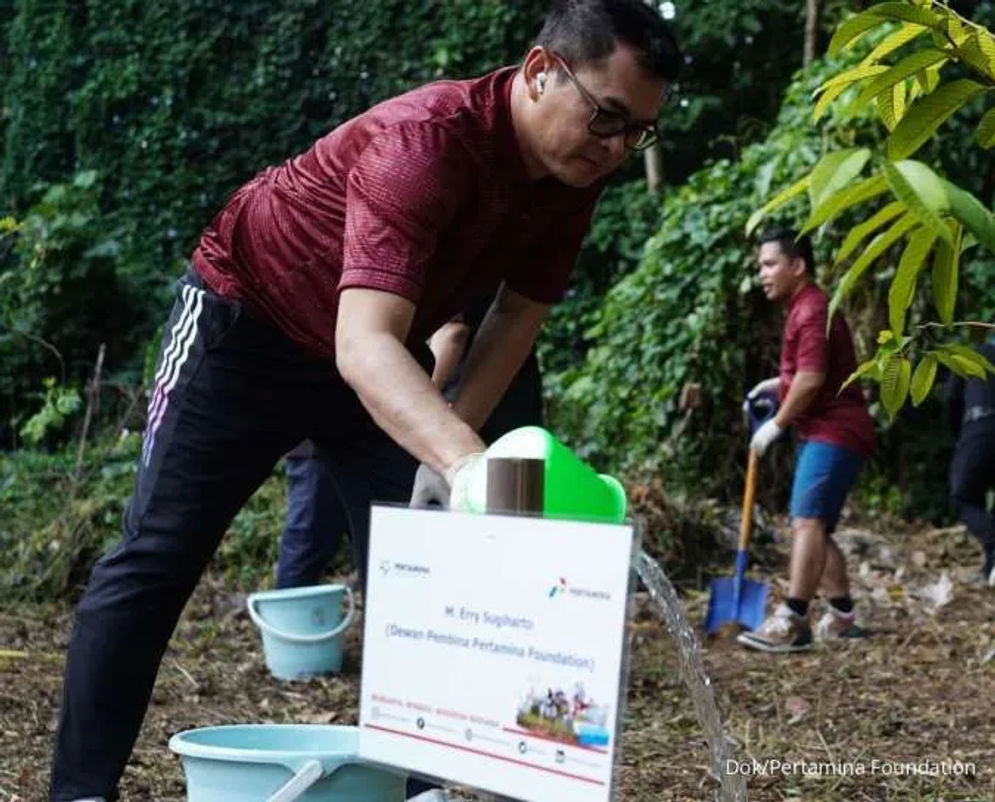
{"x":836,"y":435}
{"x":306,"y":314}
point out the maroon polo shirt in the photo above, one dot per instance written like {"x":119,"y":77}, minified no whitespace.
{"x":425,"y":195}
{"x":833,"y":417}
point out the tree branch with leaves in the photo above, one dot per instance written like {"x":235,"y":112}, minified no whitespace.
{"x":906,"y":200}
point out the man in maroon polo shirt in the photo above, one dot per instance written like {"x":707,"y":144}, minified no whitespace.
{"x":835,"y":432}
{"x":306,"y":313}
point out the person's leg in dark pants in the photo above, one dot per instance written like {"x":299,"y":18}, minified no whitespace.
{"x":972,"y":475}
{"x":315,"y":522}
{"x":221,"y":415}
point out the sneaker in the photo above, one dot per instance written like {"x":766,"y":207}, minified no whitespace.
{"x":782,"y":631}
{"x":836,"y":625}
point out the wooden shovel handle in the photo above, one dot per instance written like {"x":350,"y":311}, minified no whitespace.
{"x":749,"y":492}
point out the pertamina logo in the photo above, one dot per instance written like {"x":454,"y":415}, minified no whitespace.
{"x":560,"y":588}
{"x":403,"y":569}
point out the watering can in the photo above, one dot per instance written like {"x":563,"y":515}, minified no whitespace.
{"x":571,"y":489}
{"x":736,"y":599}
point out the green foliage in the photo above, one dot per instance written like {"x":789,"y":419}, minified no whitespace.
{"x":61,"y":294}
{"x":933,"y":212}
{"x":688,"y":312}
{"x":57,"y":405}
{"x":684,"y":315}
{"x":626,"y":218}
{"x":54,"y":527}
{"x":740,"y":56}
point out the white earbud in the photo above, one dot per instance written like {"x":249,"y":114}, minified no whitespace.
{"x":541,"y":82}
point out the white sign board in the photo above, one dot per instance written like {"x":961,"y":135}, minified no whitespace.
{"x":492,"y":651}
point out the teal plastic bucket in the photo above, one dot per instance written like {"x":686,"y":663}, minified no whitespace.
{"x":281,"y":763}
{"x":302,"y":628}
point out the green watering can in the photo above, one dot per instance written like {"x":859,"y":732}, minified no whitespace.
{"x":571,"y":488}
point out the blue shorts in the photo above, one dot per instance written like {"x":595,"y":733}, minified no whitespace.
{"x":824,"y":474}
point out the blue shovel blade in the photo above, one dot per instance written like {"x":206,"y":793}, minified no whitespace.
{"x":723,"y":608}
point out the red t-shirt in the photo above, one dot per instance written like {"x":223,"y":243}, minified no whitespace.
{"x":425,"y":195}
{"x":833,"y":417}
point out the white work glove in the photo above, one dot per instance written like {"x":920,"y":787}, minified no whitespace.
{"x":430,"y":489}
{"x":764,"y":436}
{"x":461,"y":476}
{"x":449,"y":491}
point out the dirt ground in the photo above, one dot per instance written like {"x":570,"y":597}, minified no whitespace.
{"x":920,"y":690}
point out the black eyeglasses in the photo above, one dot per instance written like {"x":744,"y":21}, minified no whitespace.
{"x":605,"y":123}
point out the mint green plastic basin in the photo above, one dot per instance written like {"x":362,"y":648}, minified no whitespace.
{"x":254,"y":762}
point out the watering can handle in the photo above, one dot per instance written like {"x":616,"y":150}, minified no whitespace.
{"x":306,"y":776}
{"x":264,"y":625}
{"x":749,"y":493}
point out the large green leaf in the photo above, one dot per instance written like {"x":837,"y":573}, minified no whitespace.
{"x":907,"y":67}
{"x":895,"y":378}
{"x":905,"y":34}
{"x":929,"y":78}
{"x":969,"y":211}
{"x":826,"y":100}
{"x":878,"y":246}
{"x":851,"y":76}
{"x":891,"y":105}
{"x":986,"y":130}
{"x":970,"y":353}
{"x":851,"y":30}
{"x":963,"y":364}
{"x":986,"y":44}
{"x":834,"y":171}
{"x":778,"y":200}
{"x":923,"y":378}
{"x":903,"y":285}
{"x":860,"y":231}
{"x":906,"y":13}
{"x":844,"y":199}
{"x":922,"y":191}
{"x":971,"y":53}
{"x":928,"y":114}
{"x":868,"y":368}
{"x":945,"y":275}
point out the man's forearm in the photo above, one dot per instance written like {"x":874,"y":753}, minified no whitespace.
{"x":804,"y":388}
{"x":403,"y":402}
{"x":499,"y":348}
{"x":448,"y":345}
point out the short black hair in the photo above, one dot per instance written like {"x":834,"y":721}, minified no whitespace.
{"x":796,"y":247}
{"x":587,"y":30}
